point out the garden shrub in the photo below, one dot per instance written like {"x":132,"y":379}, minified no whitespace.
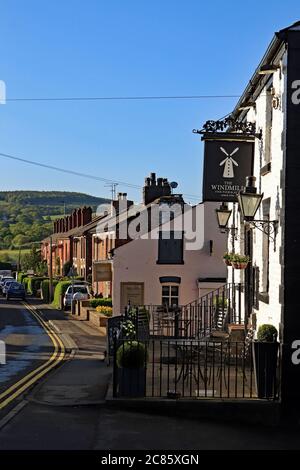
{"x":94,"y":303}
{"x":131,"y":355}
{"x":59,"y":291}
{"x":21,"y":276}
{"x":25,"y":282}
{"x":34,"y":284}
{"x":45,"y":289}
{"x":267,"y":333}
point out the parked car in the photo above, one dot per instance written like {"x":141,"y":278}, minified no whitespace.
{"x":15,"y":290}
{"x":6,"y":286}
{"x":79,"y":291}
{"x":3,"y":281}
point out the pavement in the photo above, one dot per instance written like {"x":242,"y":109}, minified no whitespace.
{"x":84,"y":378}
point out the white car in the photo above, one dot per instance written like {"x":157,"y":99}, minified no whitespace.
{"x":4,"y":279}
{"x":78,"y":292}
{"x":6,"y":285}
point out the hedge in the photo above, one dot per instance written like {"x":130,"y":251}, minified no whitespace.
{"x":34,"y":284}
{"x":25,"y":282}
{"x":45,"y":289}
{"x":94,"y":303}
{"x":21,"y":276}
{"x":59,"y":291}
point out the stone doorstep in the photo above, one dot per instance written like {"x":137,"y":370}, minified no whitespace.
{"x":235,"y":327}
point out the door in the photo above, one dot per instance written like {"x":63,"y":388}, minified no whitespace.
{"x":133,"y":293}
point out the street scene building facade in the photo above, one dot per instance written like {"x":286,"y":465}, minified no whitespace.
{"x":250,"y":164}
{"x":192,"y":308}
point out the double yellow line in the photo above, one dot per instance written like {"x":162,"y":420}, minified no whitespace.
{"x":30,"y":379}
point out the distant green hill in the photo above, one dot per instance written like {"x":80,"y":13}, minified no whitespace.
{"x":27,"y":216}
{"x":50,"y":198}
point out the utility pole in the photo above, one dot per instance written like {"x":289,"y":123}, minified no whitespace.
{"x":19,"y":259}
{"x":51,"y":273}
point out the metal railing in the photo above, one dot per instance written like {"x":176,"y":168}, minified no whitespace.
{"x":187,"y":369}
{"x":213,"y":311}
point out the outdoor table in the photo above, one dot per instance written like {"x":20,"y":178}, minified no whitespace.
{"x":199,"y":357}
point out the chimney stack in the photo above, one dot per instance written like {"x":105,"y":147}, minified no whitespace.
{"x":155,"y":189}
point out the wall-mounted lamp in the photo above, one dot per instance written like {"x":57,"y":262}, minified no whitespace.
{"x":223,"y":216}
{"x":268,"y":69}
{"x":249,"y":202}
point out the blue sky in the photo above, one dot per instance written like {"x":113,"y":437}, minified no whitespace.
{"x":67,"y":48}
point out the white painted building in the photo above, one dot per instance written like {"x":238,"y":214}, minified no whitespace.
{"x":269,"y":116}
{"x":144,"y":275}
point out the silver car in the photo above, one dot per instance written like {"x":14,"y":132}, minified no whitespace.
{"x":79,"y":291}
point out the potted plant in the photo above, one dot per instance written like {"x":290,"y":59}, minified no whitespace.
{"x":227,"y":258}
{"x":239,"y":261}
{"x":128,"y":329}
{"x":265,"y":352}
{"x":131,"y":359}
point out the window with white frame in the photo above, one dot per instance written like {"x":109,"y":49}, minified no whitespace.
{"x":170,"y":295}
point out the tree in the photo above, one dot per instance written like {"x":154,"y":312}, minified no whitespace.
{"x":42,"y":268}
{"x":31,"y":260}
{"x":20,"y":240}
{"x":4,"y":258}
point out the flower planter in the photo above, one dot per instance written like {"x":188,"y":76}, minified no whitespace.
{"x":227,"y":262}
{"x":239,"y":265}
{"x":265,"y":366}
{"x":132,"y":382}
{"x":103,"y":320}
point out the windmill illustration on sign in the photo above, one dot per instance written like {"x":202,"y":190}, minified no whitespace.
{"x":228,"y":163}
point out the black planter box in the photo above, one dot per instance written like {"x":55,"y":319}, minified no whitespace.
{"x":265,"y":367}
{"x":132,"y":382}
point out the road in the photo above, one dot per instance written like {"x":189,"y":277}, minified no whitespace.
{"x":29,"y":350}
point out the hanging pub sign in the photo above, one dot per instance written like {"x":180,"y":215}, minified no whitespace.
{"x":227,"y":163}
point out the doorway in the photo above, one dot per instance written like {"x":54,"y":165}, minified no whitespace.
{"x":133,"y":293}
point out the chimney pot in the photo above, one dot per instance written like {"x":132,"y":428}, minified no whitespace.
{"x":153,"y":178}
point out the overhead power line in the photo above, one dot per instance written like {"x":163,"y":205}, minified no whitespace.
{"x":125,"y":98}
{"x":77,"y":173}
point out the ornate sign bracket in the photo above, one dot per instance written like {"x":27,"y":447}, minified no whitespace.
{"x":228,"y":128}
